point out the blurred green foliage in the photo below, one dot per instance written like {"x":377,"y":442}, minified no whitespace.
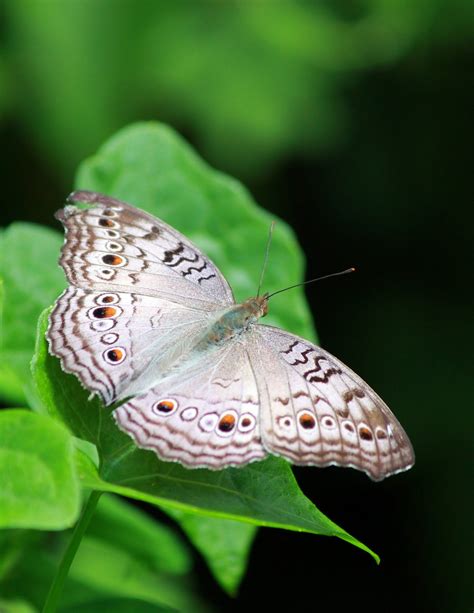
{"x":252,"y":81}
{"x":38,"y":484}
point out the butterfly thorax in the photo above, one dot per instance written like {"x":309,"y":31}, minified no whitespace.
{"x":234,"y":321}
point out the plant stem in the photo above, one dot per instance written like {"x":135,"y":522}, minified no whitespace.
{"x":55,"y":591}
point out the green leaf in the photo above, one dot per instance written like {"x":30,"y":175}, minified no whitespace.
{"x":32,"y":279}
{"x":16,"y":606}
{"x":38,"y":484}
{"x":114,"y":571}
{"x":226,"y":543}
{"x":263,"y":493}
{"x":13,"y":544}
{"x":148,"y":540}
{"x":100,"y":572}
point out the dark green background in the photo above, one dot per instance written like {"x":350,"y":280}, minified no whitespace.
{"x":350,"y":121}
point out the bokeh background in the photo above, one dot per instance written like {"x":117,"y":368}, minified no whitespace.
{"x":350,"y":120}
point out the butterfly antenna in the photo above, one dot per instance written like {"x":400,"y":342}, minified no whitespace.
{"x":333,"y":274}
{"x":265,"y":259}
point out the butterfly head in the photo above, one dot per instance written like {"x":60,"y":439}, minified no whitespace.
{"x":256,"y":307}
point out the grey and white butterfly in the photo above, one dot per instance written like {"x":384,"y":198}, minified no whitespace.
{"x":148,"y":317}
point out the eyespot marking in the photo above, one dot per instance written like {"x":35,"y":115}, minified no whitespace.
{"x":285,"y":421}
{"x":381,"y":434}
{"x":227,"y":423}
{"x":109,"y":339}
{"x":109,"y":213}
{"x":165,"y":406}
{"x":113,"y":246}
{"x":365,"y":433}
{"x":107,"y":223}
{"x":113,"y":233}
{"x":103,"y":312}
{"x":115,"y":356}
{"x":107,"y":299}
{"x":246,"y":422}
{"x":189,"y":413}
{"x":307,"y":421}
{"x":113,"y":260}
{"x":106,"y":273}
{"x":328,"y":422}
{"x":101,"y":325}
{"x":349,"y":426}
{"x":208,"y":422}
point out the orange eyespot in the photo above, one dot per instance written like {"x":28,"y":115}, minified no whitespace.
{"x":106,"y":223}
{"x":226,"y":423}
{"x":112,"y":260}
{"x":307,"y":421}
{"x":115,"y":355}
{"x":104,"y":312}
{"x":165,"y":406}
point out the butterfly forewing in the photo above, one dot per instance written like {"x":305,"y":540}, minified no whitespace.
{"x":110,"y":244}
{"x":118,"y":343}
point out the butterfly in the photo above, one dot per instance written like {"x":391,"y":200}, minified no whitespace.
{"x":150,"y":321}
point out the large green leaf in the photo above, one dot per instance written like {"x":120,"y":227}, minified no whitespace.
{"x":38,"y":484}
{"x":31,"y":281}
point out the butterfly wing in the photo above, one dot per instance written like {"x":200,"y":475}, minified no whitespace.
{"x":119,"y":343}
{"x":140,"y":293}
{"x":204,"y":417}
{"x":316,"y":411}
{"x":112,"y":245}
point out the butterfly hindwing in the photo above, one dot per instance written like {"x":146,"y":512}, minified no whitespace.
{"x":205,"y":417}
{"x":316,"y":411}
